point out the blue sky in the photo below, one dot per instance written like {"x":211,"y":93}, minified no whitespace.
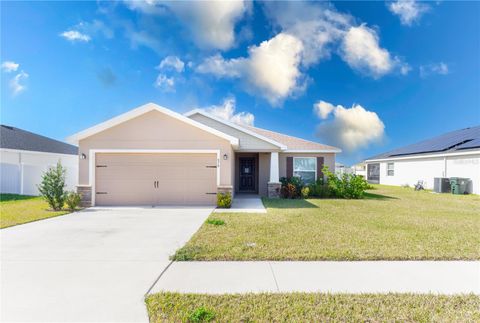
{"x":365,"y":76}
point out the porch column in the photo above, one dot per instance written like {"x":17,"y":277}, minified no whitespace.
{"x":274,"y":183}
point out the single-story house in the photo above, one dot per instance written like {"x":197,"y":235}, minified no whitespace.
{"x":25,"y":156}
{"x":155,"y":156}
{"x":454,"y":154}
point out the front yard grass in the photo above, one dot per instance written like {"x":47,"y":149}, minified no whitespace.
{"x":391,"y":223}
{"x":17,"y":209}
{"x":314,"y":307}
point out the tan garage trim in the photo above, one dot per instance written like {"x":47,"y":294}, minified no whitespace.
{"x":93,"y":152}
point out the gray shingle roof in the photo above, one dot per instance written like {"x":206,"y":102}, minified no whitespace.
{"x":14,"y":138}
{"x":459,"y":140}
{"x":292,"y":143}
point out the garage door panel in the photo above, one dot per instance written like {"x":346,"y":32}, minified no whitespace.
{"x":128,"y":179}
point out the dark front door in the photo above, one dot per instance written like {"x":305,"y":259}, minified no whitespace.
{"x":247,"y":174}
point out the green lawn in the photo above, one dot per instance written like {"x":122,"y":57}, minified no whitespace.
{"x":300,"y":307}
{"x":17,"y":209}
{"x":390,"y":223}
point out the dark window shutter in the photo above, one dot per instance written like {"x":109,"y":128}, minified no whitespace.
{"x":289,"y":167}
{"x":319,"y":167}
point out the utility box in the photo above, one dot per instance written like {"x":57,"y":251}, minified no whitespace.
{"x":459,"y":185}
{"x":441,"y":185}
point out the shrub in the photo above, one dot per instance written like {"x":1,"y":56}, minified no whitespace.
{"x":72,"y":199}
{"x":320,"y":189}
{"x":349,"y":186}
{"x":305,"y":192}
{"x":289,"y":191}
{"x":224,"y":200}
{"x":215,"y":221}
{"x":201,"y":314}
{"x":52,"y":186}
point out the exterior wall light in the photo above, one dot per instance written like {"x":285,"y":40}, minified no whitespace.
{"x":225,"y":157}
{"x":83,"y":156}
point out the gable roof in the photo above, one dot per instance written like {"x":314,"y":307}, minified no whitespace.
{"x":140,"y":111}
{"x":15,"y":138}
{"x":236,"y":126}
{"x":284,"y":142}
{"x":454,"y":141}
{"x":295,"y":144}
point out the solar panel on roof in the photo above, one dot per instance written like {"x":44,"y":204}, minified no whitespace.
{"x":456,"y":140}
{"x":441,"y":143}
{"x":471,"y":144}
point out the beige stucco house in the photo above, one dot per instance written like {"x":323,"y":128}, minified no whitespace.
{"x":154,"y":156}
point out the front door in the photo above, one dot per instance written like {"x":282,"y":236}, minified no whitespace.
{"x":247,"y":174}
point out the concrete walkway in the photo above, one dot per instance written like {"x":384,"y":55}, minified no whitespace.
{"x":248,"y":203}
{"x":442,"y":277}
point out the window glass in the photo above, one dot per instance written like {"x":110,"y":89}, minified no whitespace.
{"x":390,"y":169}
{"x":305,"y":163}
{"x":305,"y":168}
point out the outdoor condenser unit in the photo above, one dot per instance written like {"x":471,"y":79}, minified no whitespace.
{"x":441,"y":185}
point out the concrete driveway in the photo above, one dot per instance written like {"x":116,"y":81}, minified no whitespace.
{"x":90,"y":266}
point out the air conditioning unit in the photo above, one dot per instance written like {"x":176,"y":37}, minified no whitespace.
{"x":441,"y":185}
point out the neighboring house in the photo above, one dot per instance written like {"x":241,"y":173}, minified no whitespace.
{"x":154,"y":156}
{"x":24,"y":156}
{"x":454,"y":154}
{"x":360,"y":169}
{"x":341,"y":169}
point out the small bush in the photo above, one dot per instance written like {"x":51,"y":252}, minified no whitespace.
{"x":72,"y":199}
{"x":305,"y":192}
{"x":185,"y":254}
{"x":224,"y":200}
{"x":320,"y":189}
{"x":289,"y":191}
{"x":52,"y":186}
{"x":201,"y":314}
{"x":349,"y":186}
{"x":215,"y":221}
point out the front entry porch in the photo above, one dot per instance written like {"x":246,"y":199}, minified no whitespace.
{"x":257,"y":173}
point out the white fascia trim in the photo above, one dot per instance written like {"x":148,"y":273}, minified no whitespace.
{"x":142,"y":110}
{"x":471,"y":152}
{"x":235,"y":126}
{"x":35,"y":152}
{"x":312,"y":151}
{"x":93,"y":152}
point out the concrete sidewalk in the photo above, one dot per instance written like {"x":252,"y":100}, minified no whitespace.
{"x":216,"y":277}
{"x":245,"y":203}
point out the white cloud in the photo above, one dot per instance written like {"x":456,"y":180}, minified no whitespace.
{"x":220,"y":67}
{"x":226,"y":111}
{"x":83,"y":31}
{"x":9,"y":66}
{"x":211,"y":24}
{"x":74,"y":35}
{"x":318,"y":26}
{"x":172,"y":62}
{"x":17,"y":83}
{"x":271,"y":69}
{"x":435,"y":68}
{"x":409,"y":11}
{"x":361,"y":50}
{"x":352,"y":128}
{"x":323,"y":109}
{"x":165,"y":83}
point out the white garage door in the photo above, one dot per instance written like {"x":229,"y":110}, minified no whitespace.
{"x":155,"y":179}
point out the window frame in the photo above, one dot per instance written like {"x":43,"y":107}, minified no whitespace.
{"x":310,"y":157}
{"x":391,"y":170}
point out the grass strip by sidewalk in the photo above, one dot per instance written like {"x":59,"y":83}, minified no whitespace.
{"x":313,"y":307}
{"x":18,"y":209}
